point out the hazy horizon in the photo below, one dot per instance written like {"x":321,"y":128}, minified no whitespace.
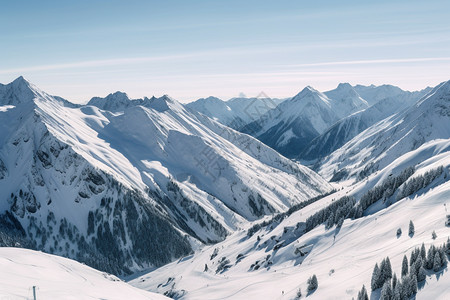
{"x":193,"y":50}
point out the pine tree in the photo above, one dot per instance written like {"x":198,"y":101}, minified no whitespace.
{"x":443,"y":256}
{"x":437,"y":262}
{"x":405,"y":266}
{"x":386,"y":291}
{"x":430,"y":259}
{"x":433,"y":235}
{"x":388,"y":272}
{"x":411,"y":228}
{"x":375,"y":277}
{"x":421,"y":276}
{"x":312,"y":283}
{"x":397,"y":292}
{"x":362,"y":295}
{"x":383,"y":274}
{"x":394,"y":281}
{"x":423,"y":252}
{"x":399,"y":232}
{"x":299,"y":293}
{"x":413,"y":284}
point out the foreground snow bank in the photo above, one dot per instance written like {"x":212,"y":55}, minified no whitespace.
{"x":59,"y":278}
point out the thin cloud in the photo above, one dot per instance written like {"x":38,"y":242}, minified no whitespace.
{"x":373,"y":61}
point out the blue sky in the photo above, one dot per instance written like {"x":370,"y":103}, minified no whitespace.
{"x":192,"y":49}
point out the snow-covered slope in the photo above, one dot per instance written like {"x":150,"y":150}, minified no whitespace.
{"x":218,"y":110}
{"x":345,"y":100}
{"x":236,"y":112}
{"x":372,"y":94}
{"x":383,"y":142}
{"x":135,"y":189}
{"x":347,"y":128}
{"x":275,"y":260}
{"x":59,"y":278}
{"x":290,"y":126}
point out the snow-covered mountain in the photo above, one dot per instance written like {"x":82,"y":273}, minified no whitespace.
{"x":372,"y":93}
{"x":134,"y":187}
{"x":290,"y":126}
{"x":383,"y":142}
{"x":347,"y":128}
{"x":345,"y":100}
{"x":59,"y":278}
{"x":236,"y":112}
{"x":339,"y":238}
{"x":119,"y":102}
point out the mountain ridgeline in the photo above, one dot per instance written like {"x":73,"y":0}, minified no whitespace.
{"x":124,"y":185}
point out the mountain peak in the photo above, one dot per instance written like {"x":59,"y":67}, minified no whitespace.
{"x":118,"y":96}
{"x":114,"y":102}
{"x":307,"y":91}
{"x":344,"y":86}
{"x":17,"y":92}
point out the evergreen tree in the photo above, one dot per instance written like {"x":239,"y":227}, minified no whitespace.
{"x":421,"y":276}
{"x":386,"y":291}
{"x":312,"y":283}
{"x":443,"y":256}
{"x":437,"y":262}
{"x":405,"y":266}
{"x":433,"y":235}
{"x":399,"y":232}
{"x":388,"y":272}
{"x":423,"y":252}
{"x":413,"y":285}
{"x":397,"y":292}
{"x":417,"y":265}
{"x":430,"y":259}
{"x":375,"y":277}
{"x":411,"y":228}
{"x":362,"y":295}
{"x":299,"y":293}
{"x":394,"y":281}
{"x":405,"y":288}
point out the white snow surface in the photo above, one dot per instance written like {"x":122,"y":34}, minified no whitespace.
{"x":342,"y":260}
{"x":383,"y":142}
{"x":145,"y":147}
{"x":235,"y":112}
{"x":59,"y":278}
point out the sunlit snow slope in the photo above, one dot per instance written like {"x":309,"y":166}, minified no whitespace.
{"x":134,"y":187}
{"x":59,"y":278}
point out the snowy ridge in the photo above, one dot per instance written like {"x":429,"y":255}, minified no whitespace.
{"x":275,"y":261}
{"x":383,"y":142}
{"x":236,"y":112}
{"x":346,"y":100}
{"x":290,"y":126}
{"x":91,"y":184}
{"x":347,"y":128}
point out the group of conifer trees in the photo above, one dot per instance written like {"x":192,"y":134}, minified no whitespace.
{"x":412,"y":273}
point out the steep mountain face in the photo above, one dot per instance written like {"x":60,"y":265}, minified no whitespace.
{"x":290,"y":126}
{"x":129,"y":190}
{"x":347,"y":128}
{"x":236,"y":112}
{"x":346,"y":100}
{"x":275,"y":258}
{"x":372,"y":94}
{"x":383,"y":142}
{"x":119,"y":102}
{"x":218,"y":110}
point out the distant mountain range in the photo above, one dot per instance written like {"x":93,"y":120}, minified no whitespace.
{"x":128,"y":184}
